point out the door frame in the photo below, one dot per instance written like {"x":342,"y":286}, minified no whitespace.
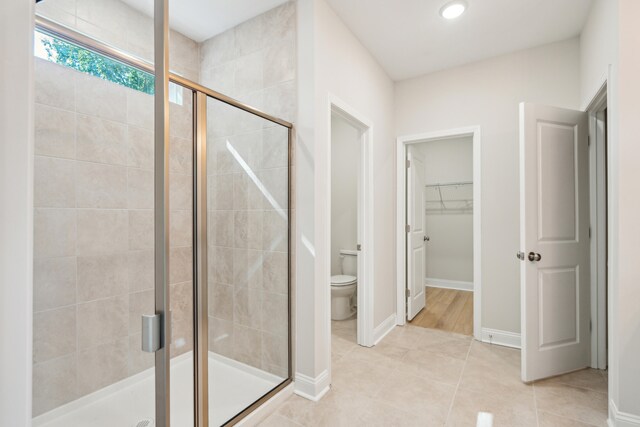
{"x":598,"y":193}
{"x":365,"y":283}
{"x":401,"y":214}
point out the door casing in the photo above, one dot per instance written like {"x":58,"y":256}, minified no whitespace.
{"x":401,"y":212}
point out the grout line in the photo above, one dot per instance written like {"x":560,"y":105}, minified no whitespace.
{"x":455,"y":393}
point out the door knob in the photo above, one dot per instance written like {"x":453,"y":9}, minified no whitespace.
{"x":426,"y":238}
{"x":534,"y":256}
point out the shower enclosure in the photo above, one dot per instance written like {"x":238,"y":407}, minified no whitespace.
{"x":162,"y":285}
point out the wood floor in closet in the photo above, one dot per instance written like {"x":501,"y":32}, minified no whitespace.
{"x":448,"y":310}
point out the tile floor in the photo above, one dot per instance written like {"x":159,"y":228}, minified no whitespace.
{"x":425,"y":377}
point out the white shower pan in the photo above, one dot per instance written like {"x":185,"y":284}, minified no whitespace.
{"x":233,"y":386}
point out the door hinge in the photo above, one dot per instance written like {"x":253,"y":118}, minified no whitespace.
{"x":408,"y":163}
{"x":407,"y":228}
{"x":408,"y":292}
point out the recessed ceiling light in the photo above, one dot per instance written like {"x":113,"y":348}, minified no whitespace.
{"x":453,"y":9}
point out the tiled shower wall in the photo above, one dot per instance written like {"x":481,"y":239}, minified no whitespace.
{"x":93,"y":270}
{"x":93,"y":249}
{"x":254,"y":62}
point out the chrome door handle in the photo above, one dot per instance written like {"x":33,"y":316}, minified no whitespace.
{"x":426,"y":238}
{"x":534,"y":257}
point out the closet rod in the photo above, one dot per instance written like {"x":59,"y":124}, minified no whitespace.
{"x":450,"y":184}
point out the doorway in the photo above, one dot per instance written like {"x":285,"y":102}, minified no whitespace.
{"x":438,"y":242}
{"x":440,"y":191}
{"x":349,"y":273}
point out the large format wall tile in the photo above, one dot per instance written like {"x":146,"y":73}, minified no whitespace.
{"x":96,"y":97}
{"x":102,"y":321}
{"x":54,"y":183}
{"x":102,"y":276}
{"x":55,"y":383}
{"x":101,"y":186}
{"x":54,"y":333}
{"x":112,"y":360}
{"x":54,"y":282}
{"x":55,"y":132}
{"x":101,"y":141}
{"x":54,"y":85}
{"x":54,"y":232}
{"x":102,"y":231}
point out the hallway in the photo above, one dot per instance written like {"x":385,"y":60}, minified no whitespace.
{"x":424,"y":377}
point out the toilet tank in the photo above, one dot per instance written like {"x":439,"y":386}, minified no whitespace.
{"x":349,"y":261}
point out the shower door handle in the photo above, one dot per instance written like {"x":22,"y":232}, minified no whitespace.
{"x":150,"y":333}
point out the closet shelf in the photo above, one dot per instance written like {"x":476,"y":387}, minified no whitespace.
{"x":451,"y":197}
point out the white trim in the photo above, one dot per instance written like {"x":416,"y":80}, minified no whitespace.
{"x":402,"y":142}
{"x":312,"y":388}
{"x":598,"y":244}
{"x":384,"y":328}
{"x":503,"y":338}
{"x":365,"y":290}
{"x":621,"y":419}
{"x":448,"y":284}
{"x":267,"y":408}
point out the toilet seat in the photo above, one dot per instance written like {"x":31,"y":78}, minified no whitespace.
{"x":342,"y":280}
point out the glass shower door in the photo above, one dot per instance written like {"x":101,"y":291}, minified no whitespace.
{"x":247,"y":205}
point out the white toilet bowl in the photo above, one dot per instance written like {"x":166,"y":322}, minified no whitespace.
{"x":343,"y":291}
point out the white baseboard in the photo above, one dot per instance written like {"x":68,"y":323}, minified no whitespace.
{"x":312,"y":388}
{"x":504,"y":338}
{"x":267,"y":408}
{"x":448,"y":284}
{"x":621,"y":419}
{"x":384,"y":328}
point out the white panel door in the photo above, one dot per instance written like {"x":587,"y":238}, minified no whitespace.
{"x":554,"y":239}
{"x":415,"y":236}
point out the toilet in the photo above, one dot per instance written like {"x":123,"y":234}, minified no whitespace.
{"x":343,"y":287}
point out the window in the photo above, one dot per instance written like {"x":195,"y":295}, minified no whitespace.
{"x":87,"y":61}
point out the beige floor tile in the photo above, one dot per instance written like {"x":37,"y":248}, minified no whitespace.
{"x":591,"y":379}
{"x":340,"y":347}
{"x":276,"y":420}
{"x":334,"y":409}
{"x":380,"y":414}
{"x":493,"y":370}
{"x":576,"y":403}
{"x":549,"y":420}
{"x":432,"y":366}
{"x":427,"y":399}
{"x":515,"y":410}
{"x":357,"y":377}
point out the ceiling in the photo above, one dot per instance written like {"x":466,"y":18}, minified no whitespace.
{"x":414,"y":39}
{"x":202,"y":19}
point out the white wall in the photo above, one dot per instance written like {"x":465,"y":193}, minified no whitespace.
{"x":449,"y":252}
{"x":345,"y":158}
{"x":16,"y":214}
{"x":597,"y":48}
{"x":487,"y":94}
{"x":363,"y":85}
{"x":627,"y":290}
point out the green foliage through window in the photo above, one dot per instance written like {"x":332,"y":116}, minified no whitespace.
{"x":86,"y":61}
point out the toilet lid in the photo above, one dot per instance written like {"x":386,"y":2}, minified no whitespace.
{"x":342,"y":280}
